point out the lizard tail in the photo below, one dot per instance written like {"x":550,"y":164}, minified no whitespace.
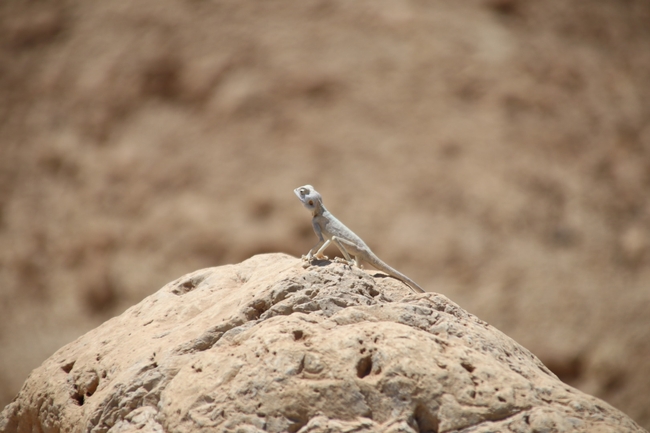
{"x":374,"y":261}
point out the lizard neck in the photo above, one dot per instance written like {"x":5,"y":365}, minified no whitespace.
{"x":319,"y":209}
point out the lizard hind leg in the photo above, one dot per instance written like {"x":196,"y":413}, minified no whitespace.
{"x":339,"y":243}
{"x":342,"y":244}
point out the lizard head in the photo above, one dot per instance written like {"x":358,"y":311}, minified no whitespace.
{"x":309,"y":197}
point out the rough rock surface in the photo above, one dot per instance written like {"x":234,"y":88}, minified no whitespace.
{"x":266,"y":345}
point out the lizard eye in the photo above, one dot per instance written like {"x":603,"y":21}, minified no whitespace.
{"x":311,"y":202}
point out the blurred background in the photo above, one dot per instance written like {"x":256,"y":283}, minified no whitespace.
{"x":496,"y":151}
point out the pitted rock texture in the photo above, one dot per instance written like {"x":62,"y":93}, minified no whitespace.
{"x":268,"y":346}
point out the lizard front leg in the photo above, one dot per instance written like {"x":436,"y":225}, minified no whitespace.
{"x":317,"y":250}
{"x":319,"y":254}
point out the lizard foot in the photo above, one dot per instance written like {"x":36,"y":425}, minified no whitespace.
{"x":306,"y":261}
{"x":343,"y":261}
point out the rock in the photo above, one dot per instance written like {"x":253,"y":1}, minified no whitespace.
{"x":267,"y":346}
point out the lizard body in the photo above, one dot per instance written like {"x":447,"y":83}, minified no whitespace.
{"x":330,"y":230}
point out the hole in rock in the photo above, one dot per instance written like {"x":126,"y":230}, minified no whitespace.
{"x":364,"y":366}
{"x":256,"y":309}
{"x":68,"y":367}
{"x":187,"y":285}
{"x":79,"y":398}
{"x":467,"y":366}
{"x":297,"y":334}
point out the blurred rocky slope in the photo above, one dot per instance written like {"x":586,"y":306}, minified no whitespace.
{"x":497,"y":151}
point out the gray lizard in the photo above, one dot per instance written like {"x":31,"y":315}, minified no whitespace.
{"x":329,"y":229}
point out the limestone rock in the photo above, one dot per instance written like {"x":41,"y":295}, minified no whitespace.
{"x":267,"y":346}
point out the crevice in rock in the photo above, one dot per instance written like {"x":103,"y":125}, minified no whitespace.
{"x":503,"y":414}
{"x":144,"y":389}
{"x":256,"y":308}
{"x":284,"y":289}
{"x":425,"y":420}
{"x":208,"y":339}
{"x":296,"y":424}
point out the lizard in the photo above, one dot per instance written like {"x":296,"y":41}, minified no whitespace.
{"x":330,"y":230}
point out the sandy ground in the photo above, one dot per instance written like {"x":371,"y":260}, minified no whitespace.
{"x":496,"y":151}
